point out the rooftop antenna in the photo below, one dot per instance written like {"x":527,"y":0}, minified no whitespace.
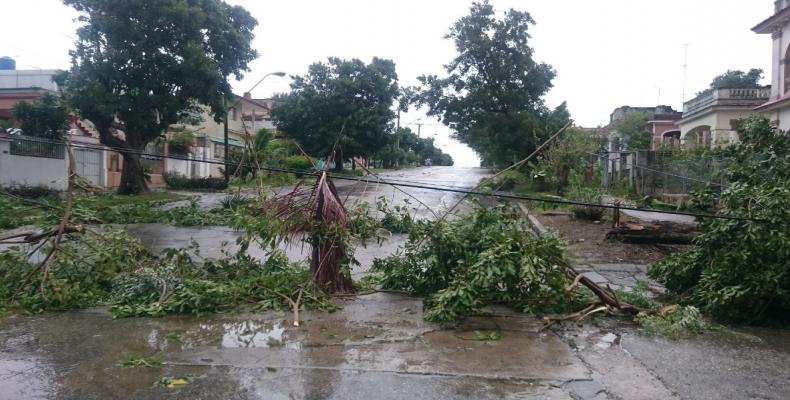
{"x":685,"y":68}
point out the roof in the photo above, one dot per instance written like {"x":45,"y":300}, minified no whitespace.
{"x":257,"y":102}
{"x":772,"y":23}
{"x":22,"y":78}
{"x":774,"y":104}
{"x":231,"y":141}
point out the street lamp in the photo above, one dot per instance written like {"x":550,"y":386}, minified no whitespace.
{"x":278,"y":73}
{"x":225,"y":141}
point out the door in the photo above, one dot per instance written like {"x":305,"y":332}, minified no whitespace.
{"x":89,"y":165}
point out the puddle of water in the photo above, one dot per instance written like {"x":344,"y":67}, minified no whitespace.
{"x":249,"y":334}
{"x":606,"y":341}
{"x":27,"y":378}
{"x":223,"y":334}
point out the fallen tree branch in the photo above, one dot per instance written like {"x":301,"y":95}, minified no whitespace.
{"x":47,"y":263}
{"x":29,"y":201}
{"x":36,"y":236}
{"x":294,"y":304}
{"x":653,"y":233}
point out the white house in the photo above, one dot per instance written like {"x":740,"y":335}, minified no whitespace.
{"x":778,"y":26}
{"x":711,"y":118}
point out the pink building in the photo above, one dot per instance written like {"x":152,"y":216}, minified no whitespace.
{"x":662,"y":122}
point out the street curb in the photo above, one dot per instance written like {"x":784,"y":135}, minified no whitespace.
{"x":537,"y":227}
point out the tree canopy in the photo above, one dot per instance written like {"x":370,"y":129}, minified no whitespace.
{"x":738,"y":79}
{"x":406,"y":147}
{"x":492,"y":94}
{"x":45,"y":117}
{"x":737,"y":269}
{"x":735,"y":79}
{"x":140,"y":65}
{"x":632,"y":130}
{"x":346,"y":95}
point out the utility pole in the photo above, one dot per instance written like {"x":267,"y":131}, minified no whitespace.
{"x":418,"y":129}
{"x":685,"y":67}
{"x":397,"y":132}
{"x":225,"y":142}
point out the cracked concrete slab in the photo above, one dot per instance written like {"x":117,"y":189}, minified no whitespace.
{"x":612,"y":368}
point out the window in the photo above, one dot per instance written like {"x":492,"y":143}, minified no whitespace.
{"x":786,"y":62}
{"x":233,"y":114}
{"x":219,"y":150}
{"x":115,"y":162}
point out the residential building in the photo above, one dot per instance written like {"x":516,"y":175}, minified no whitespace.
{"x":662,"y":123}
{"x":257,"y":113}
{"x":711,"y":118}
{"x":23,"y":85}
{"x":777,"y":105}
{"x":245,"y":117}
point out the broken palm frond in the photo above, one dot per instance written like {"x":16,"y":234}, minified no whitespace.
{"x":86,"y":185}
{"x":313,"y":215}
{"x":330,"y":241}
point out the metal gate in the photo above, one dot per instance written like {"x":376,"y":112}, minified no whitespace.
{"x":89,"y":165}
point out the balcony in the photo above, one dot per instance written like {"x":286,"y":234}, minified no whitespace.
{"x":746,"y":98}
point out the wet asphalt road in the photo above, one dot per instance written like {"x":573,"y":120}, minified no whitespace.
{"x":213,"y":240}
{"x":378,"y":346}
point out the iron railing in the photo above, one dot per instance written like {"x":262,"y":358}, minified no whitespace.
{"x":37,"y":147}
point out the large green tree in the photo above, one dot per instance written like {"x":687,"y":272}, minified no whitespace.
{"x":492,"y":94}
{"x":738,"y":269}
{"x":139,"y":66}
{"x":45,"y":117}
{"x":632,"y":130}
{"x":346,"y":95}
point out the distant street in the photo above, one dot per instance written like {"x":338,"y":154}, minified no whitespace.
{"x":439,"y":177}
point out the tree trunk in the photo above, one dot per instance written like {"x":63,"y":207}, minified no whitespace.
{"x":654,"y":233}
{"x":327,"y":253}
{"x":339,"y":160}
{"x":132,"y":177}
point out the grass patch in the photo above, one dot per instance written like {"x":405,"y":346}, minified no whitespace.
{"x":674,"y":322}
{"x":104,"y":200}
{"x":638,"y":296}
{"x":487,"y":336}
{"x":175,"y":335}
{"x":262,"y":179}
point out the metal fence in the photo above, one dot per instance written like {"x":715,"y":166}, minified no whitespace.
{"x":652,"y":173}
{"x":37,"y":147}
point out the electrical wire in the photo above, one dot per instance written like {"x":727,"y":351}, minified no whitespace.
{"x":400,"y":183}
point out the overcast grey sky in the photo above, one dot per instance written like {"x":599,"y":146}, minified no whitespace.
{"x":607,"y":53}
